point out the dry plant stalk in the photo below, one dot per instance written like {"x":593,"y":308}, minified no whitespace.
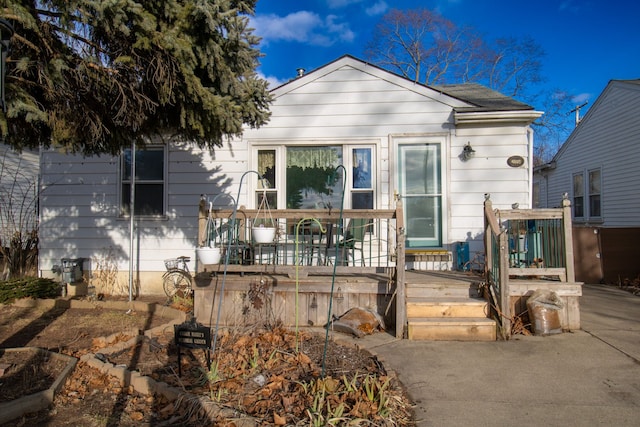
{"x":105,"y":273}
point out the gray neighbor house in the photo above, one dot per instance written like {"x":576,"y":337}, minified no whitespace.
{"x":597,"y":167}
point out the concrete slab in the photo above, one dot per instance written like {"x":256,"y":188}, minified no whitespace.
{"x":588,"y":377}
{"x":612,"y":315}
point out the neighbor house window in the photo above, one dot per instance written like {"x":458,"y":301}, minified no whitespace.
{"x":595,"y":186}
{"x":149,"y":181}
{"x":578,"y":195}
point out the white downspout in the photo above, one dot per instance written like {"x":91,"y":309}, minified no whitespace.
{"x":530,"y":148}
{"x":132,"y":198}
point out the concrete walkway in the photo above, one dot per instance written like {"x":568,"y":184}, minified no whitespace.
{"x":589,"y":377}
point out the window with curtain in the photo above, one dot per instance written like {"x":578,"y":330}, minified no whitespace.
{"x":311,"y":177}
{"x":267,"y":186}
{"x":149,"y":181}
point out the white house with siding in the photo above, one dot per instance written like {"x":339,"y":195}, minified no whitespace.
{"x":397,"y":138}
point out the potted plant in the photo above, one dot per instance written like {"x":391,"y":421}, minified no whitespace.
{"x":263,"y":229}
{"x":208,"y":252}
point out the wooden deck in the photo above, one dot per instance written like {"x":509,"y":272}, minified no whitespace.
{"x":265,"y":298}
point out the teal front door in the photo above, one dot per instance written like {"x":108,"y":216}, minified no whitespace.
{"x":420,"y":186}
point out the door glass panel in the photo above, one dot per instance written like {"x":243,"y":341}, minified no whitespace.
{"x":420,"y":187}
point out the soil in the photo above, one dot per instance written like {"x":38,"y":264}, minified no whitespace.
{"x":272,"y":375}
{"x":27,"y":373}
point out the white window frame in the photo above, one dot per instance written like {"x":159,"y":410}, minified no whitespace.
{"x":281,"y":159}
{"x":587,"y":214}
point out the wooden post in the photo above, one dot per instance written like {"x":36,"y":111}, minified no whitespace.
{"x":568,"y":238}
{"x":503,"y":252}
{"x":488,"y":247}
{"x":401,"y":303}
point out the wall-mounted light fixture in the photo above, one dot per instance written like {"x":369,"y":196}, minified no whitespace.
{"x":6,"y":31}
{"x":467,"y":152}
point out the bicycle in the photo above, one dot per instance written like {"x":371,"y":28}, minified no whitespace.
{"x":177,"y":280}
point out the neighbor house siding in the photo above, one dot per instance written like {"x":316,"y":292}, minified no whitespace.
{"x":607,"y":138}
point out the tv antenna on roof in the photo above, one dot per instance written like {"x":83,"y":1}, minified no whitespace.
{"x":577,"y":111}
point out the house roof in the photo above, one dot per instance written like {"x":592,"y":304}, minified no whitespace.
{"x":478,"y":97}
{"x":483,"y":98}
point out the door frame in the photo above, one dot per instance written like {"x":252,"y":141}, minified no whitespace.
{"x":395,"y":140}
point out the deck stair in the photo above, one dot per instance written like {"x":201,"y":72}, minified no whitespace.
{"x":443,"y":307}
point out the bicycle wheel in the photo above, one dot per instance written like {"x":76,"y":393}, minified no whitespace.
{"x":177,"y":283}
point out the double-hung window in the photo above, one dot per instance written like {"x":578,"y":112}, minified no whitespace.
{"x":587,"y":194}
{"x":150,"y":168}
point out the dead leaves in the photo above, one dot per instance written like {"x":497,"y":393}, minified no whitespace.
{"x":271,"y":376}
{"x":267,"y":375}
{"x":279,"y":420}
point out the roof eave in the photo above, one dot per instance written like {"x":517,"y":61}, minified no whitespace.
{"x":524,"y":116}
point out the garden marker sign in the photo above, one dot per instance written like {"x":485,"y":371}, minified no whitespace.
{"x":191,"y":334}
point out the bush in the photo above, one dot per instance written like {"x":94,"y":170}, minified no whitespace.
{"x":28,"y":287}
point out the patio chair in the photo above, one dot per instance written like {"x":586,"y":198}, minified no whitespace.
{"x":313,"y":242}
{"x":354,"y":239}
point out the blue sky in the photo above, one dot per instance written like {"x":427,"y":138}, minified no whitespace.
{"x":587,"y":42}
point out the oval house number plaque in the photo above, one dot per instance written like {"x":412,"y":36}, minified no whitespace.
{"x":515,"y":161}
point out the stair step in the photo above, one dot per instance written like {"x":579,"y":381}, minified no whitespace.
{"x":446,"y":308}
{"x":452,"y":329}
{"x":442,"y":290}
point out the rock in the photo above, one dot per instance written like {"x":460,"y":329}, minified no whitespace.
{"x":359,"y":322}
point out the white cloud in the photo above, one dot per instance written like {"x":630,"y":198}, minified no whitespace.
{"x":303,"y":27}
{"x":340,"y":29}
{"x":581,"y":98}
{"x":273,"y":81}
{"x":378,"y":8}
{"x":294,"y":27}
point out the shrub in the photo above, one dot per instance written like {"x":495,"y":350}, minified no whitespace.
{"x":28,"y":287}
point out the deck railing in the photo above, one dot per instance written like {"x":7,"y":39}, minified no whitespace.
{"x":311,"y":242}
{"x":523,"y":243}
